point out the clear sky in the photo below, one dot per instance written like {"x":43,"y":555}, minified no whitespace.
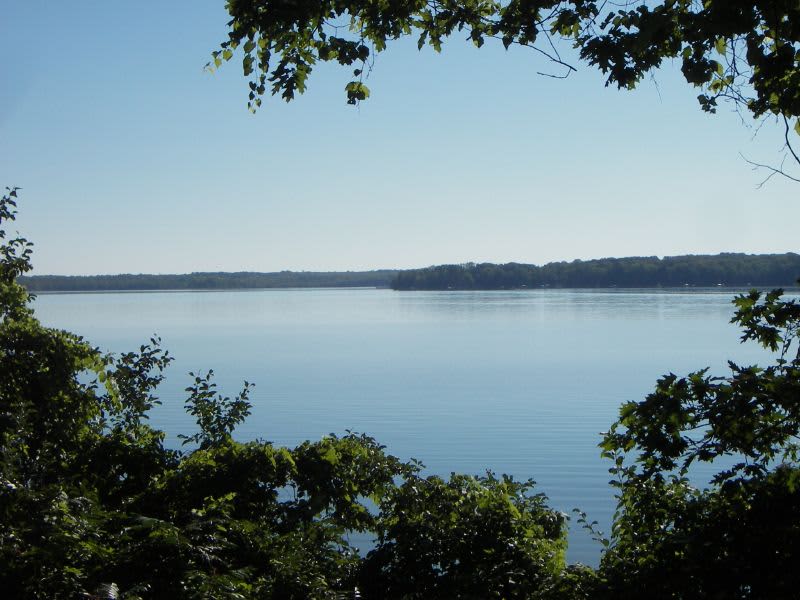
{"x":133,"y":159}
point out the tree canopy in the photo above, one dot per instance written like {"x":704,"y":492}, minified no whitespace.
{"x":743,"y":51}
{"x":747,"y":51}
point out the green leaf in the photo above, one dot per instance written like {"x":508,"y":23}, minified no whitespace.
{"x":356,"y":91}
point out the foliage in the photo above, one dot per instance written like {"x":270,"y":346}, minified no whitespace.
{"x":217,"y":415}
{"x":92,"y":504}
{"x":671,"y":271}
{"x":746,"y":51}
{"x":464,"y":538}
{"x":739,"y":538}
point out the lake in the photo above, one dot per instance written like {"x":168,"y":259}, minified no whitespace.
{"x":519,"y":382}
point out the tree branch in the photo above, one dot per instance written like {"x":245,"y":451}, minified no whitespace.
{"x":772,"y":170}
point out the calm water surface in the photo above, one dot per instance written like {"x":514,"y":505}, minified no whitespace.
{"x":518,"y":382}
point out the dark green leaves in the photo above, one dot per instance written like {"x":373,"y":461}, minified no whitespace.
{"x":674,"y":540}
{"x":15,"y":253}
{"x":745,"y":52}
{"x":356,"y":92}
{"x":466,"y":537}
{"x":773,"y":323}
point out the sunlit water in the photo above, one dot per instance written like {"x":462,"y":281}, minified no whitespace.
{"x":519,"y":382}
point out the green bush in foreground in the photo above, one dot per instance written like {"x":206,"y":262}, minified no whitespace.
{"x":740,"y":538}
{"x":92,"y":503}
{"x":91,"y":500}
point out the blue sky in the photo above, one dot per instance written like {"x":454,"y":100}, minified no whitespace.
{"x":134,"y":159}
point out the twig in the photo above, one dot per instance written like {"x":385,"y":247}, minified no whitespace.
{"x":773,"y":170}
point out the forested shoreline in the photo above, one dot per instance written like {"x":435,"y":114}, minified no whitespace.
{"x":207,"y":281}
{"x":727,"y":269}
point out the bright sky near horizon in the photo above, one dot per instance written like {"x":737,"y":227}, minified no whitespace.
{"x":133,"y":159}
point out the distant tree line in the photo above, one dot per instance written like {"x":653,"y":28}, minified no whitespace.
{"x":729,"y":269}
{"x":207,"y":281}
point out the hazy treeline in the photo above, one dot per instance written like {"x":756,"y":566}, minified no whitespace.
{"x":207,"y":281}
{"x":738,"y":270}
{"x":672,"y":271}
